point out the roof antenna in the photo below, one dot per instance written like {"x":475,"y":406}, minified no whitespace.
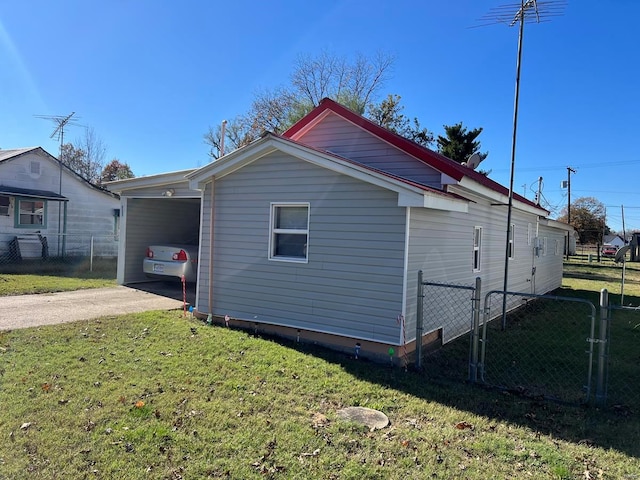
{"x":61,"y":121}
{"x":518,"y":14}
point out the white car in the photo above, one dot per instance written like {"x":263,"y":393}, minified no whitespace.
{"x":171,"y":260}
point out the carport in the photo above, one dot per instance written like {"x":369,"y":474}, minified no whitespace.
{"x":155,"y":209}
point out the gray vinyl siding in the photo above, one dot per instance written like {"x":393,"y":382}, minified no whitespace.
{"x":343,"y":138}
{"x":441,"y":245}
{"x":352,"y":284}
{"x":152,"y":221}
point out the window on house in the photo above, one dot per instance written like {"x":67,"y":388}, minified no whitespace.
{"x":5,"y":202}
{"x":31,"y":213}
{"x":529,"y":232}
{"x":512,"y":234}
{"x":477,"y":248}
{"x":289,"y":232}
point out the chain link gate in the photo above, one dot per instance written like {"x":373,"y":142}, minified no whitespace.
{"x":452,"y":310}
{"x":539,"y":346}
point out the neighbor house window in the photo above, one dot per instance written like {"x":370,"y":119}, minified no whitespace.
{"x":289,"y":232}
{"x":4,"y":205}
{"x":31,"y":213}
{"x":477,"y":248}
{"x":512,"y":235}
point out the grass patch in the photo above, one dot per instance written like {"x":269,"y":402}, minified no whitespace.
{"x":143,"y":396}
{"x":56,"y":275}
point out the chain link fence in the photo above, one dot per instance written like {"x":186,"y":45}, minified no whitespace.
{"x":622,"y":384}
{"x":538,"y":346}
{"x":40,"y":253}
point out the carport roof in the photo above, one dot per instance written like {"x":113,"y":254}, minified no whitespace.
{"x":30,"y":193}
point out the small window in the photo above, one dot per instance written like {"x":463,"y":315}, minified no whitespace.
{"x":31,"y":213}
{"x":35,"y":169}
{"x":512,"y":234}
{"x":477,"y":248}
{"x":529,"y":232}
{"x":289,"y":232}
{"x":5,"y":202}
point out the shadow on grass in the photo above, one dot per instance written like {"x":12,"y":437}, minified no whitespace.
{"x":69,"y":267}
{"x":444,"y":380}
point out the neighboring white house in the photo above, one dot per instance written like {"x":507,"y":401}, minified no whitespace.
{"x":46,"y":209}
{"x":614,"y":240}
{"x":320,"y":233}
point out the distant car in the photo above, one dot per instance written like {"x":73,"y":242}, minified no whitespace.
{"x":609,"y":251}
{"x":171,"y":260}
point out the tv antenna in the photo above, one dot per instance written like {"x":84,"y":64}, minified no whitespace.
{"x":525,"y":11}
{"x":529,"y":11}
{"x":61,"y":122}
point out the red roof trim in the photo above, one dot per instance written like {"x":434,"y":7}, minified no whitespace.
{"x":433,"y":159}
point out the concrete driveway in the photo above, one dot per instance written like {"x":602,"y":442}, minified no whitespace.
{"x":24,"y":311}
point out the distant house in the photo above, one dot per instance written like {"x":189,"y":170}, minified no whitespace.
{"x":614,"y":240}
{"x":320,"y":233}
{"x":46,"y":209}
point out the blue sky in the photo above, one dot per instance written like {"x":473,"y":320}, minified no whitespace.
{"x":151,"y":76}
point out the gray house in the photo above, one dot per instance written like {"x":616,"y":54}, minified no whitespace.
{"x":320,"y":233}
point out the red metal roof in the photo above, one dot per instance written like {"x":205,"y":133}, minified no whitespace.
{"x":433,"y":159}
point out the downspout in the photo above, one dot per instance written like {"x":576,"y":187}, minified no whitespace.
{"x":211,"y":221}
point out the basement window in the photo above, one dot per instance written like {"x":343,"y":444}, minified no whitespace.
{"x":289,"y":232}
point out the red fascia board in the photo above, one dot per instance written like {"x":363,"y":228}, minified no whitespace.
{"x":433,"y":159}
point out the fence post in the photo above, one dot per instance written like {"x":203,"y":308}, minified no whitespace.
{"x":91,"y":255}
{"x":419,"y":321}
{"x":601,"y":396}
{"x":475,"y":336}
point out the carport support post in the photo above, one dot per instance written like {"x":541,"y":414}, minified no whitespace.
{"x":601,"y":395}
{"x":419,"y":320}
{"x":475,"y":335}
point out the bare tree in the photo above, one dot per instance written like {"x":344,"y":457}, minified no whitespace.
{"x":353,"y":84}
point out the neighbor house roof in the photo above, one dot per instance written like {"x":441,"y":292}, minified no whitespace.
{"x":433,"y":159}
{"x":31,"y":193}
{"x":6,"y":155}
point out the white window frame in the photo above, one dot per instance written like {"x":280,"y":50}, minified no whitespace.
{"x":274,"y":232}
{"x":476,"y":257}
{"x":512,"y":234}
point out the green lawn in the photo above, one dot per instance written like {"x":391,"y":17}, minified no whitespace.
{"x":160,"y":396}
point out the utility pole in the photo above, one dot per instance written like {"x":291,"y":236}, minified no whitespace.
{"x":569,"y":172}
{"x":624,"y":233}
